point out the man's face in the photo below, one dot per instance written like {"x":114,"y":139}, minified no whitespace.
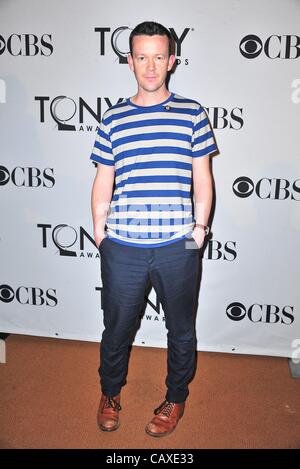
{"x":150,"y":61}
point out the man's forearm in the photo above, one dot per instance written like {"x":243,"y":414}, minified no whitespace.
{"x":203,"y":189}
{"x":101,"y":199}
{"x":203,"y":195}
{"x":99,"y":213}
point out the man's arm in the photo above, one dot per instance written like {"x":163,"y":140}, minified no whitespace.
{"x":203,"y":194}
{"x":101,"y":197}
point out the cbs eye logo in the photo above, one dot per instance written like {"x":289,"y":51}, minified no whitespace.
{"x":243,"y":187}
{"x":251,"y":46}
{"x":236,"y":311}
{"x":4,"y":175}
{"x":6,"y":293}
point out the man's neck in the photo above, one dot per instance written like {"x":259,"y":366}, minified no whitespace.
{"x":150,"y":99}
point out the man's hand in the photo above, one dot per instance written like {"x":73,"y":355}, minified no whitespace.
{"x":99,"y":237}
{"x":198,"y":234}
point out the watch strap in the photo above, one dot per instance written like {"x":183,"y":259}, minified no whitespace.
{"x":204,"y":227}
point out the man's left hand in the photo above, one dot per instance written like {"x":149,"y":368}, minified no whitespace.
{"x":198,"y":234}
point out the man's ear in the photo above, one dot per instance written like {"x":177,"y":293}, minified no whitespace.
{"x":130,"y":62}
{"x":172,"y":59}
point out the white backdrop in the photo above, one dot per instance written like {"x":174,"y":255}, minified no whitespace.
{"x":60,"y":65}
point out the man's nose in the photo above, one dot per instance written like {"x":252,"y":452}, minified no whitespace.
{"x":151,"y":64}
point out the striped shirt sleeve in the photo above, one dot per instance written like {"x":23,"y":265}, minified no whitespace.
{"x":102,"y":151}
{"x":203,"y":141}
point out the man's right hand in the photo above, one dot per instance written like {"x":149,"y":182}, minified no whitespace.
{"x":99,"y":239}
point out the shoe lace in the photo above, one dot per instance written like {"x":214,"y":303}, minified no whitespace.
{"x":165,"y":408}
{"x":111,"y":402}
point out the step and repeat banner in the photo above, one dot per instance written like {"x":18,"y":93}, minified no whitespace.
{"x":62,"y":64}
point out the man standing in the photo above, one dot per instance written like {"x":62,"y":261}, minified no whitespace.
{"x":150,"y":149}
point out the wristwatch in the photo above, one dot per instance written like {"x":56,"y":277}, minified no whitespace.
{"x":204,"y":227}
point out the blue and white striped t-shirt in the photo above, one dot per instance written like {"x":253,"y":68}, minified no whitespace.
{"x":151,"y":149}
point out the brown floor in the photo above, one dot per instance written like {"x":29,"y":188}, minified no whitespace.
{"x":49,"y":399}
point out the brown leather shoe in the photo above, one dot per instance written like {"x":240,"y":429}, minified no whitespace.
{"x":166,"y":418}
{"x":108,"y":413}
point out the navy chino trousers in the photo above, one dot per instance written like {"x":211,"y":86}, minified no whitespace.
{"x":126,"y":272}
